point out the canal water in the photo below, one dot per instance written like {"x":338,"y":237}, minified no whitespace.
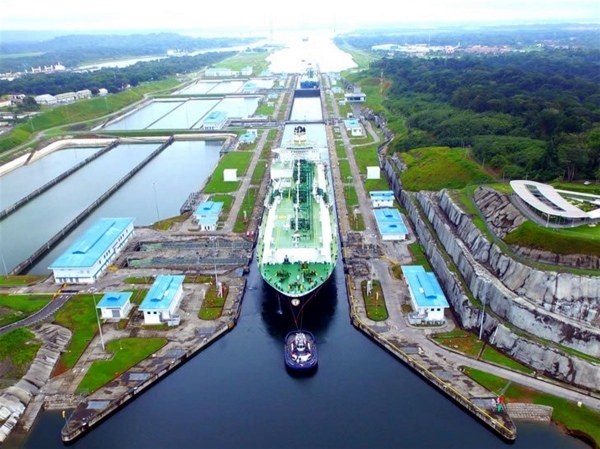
{"x":238,"y":394}
{"x":156,"y":192}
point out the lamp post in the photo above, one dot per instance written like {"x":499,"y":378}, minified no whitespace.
{"x":156,"y":202}
{"x":4,"y":264}
{"x":93,"y":290}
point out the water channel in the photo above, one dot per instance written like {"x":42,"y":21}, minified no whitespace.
{"x":237,"y":393}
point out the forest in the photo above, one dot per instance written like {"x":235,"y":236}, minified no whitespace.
{"x":112,"y":79}
{"x":525,"y":114}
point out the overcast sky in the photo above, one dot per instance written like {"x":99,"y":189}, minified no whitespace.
{"x":264,"y":15}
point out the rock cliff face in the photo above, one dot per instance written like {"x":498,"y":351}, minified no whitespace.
{"x":553,"y":306}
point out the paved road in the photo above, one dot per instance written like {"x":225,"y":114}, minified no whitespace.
{"x":52,"y":307}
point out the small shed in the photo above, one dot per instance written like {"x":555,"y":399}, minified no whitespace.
{"x":230,"y":175}
{"x":373,"y":172}
{"x":115,"y":305}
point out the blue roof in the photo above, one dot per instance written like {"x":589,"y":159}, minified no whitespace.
{"x":162,"y":293}
{"x":88,"y":248}
{"x":424,"y":286}
{"x":215,"y":117}
{"x":208,"y":221}
{"x":389,"y":221}
{"x":114,"y":299}
{"x":382,"y":195}
{"x":351,"y":123}
{"x":248,"y":138}
{"x":209,"y":208}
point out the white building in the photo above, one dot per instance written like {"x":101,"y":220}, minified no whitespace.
{"x":426,"y":296}
{"x":91,"y":254}
{"x":230,"y":175}
{"x":66,"y":97}
{"x":207,"y":215}
{"x":373,"y":172}
{"x":102,"y":92}
{"x":46,"y":99}
{"x":214,"y":121}
{"x":115,"y":305}
{"x":246,"y":71}
{"x":390,"y":224}
{"x":163,"y":299}
{"x":382,"y":198}
{"x":85,"y":93}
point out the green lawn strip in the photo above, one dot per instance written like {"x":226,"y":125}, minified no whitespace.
{"x":566,"y":413}
{"x":140,"y":280}
{"x":366,"y":157}
{"x":491,"y":354}
{"x":357,"y":224}
{"x":127,"y":353}
{"x":436,"y":168}
{"x":235,"y":159}
{"x":375,"y":302}
{"x":20,"y":306}
{"x":78,"y":315}
{"x":466,"y":343}
{"x":372,"y":185}
{"x":247,"y":206}
{"x":345,"y":170}
{"x":340,"y":149}
{"x":257,"y":59}
{"x":17,"y":281}
{"x":418,"y":256}
{"x":212,"y":305}
{"x":259,"y":171}
{"x":18,"y":348}
{"x":167,"y":223}
{"x":227,"y":201}
{"x":579,"y":240}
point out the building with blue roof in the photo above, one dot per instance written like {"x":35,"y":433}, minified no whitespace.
{"x":426,"y":296}
{"x":207,"y":215}
{"x":382,"y":198}
{"x":115,"y":305}
{"x":354,"y":127}
{"x":163,"y":299}
{"x":91,"y":254}
{"x":390,"y":224}
{"x":215,"y":121}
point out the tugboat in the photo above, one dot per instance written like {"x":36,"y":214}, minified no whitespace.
{"x":300,"y":351}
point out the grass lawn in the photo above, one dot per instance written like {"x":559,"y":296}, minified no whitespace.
{"x":127,"y":353}
{"x":166,"y":224}
{"x":16,"y":307}
{"x":340,"y":149}
{"x":418,"y":255}
{"x":491,"y":354}
{"x":566,"y":413}
{"x":259,"y":171}
{"x":464,"y":342}
{"x":578,"y":240}
{"x":375,"y":302}
{"x":212,"y":305}
{"x":439,"y":168}
{"x":78,"y":315}
{"x":247,"y":205}
{"x":16,"y":281}
{"x":366,"y":157}
{"x":345,"y":171}
{"x":140,"y":280}
{"x":256,"y":59}
{"x":235,"y":159}
{"x":17,"y":350}
{"x":377,"y":184}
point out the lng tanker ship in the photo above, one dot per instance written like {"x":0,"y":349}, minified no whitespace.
{"x":297,"y":246}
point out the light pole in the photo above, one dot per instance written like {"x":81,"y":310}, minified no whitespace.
{"x":93,"y":290}
{"x":156,"y":202}
{"x":4,"y":264}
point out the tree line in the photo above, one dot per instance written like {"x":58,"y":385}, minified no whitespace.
{"x":74,"y":50}
{"x":112,"y":79}
{"x":525,"y":114}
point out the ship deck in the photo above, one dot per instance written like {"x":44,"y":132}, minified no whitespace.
{"x":283,"y":232}
{"x":296,"y":279}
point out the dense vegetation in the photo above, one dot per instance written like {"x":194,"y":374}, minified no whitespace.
{"x":533,"y":115}
{"x":113,"y":79}
{"x":74,"y":50}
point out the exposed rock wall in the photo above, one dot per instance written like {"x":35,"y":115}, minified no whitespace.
{"x":552,"y":362}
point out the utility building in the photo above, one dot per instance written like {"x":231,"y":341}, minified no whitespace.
{"x":115,"y":305}
{"x":426,"y":296}
{"x":207,"y":215}
{"x":163,"y":299}
{"x":382,"y":198}
{"x":89,"y":256}
{"x":390,"y":224}
{"x":214,"y":121}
